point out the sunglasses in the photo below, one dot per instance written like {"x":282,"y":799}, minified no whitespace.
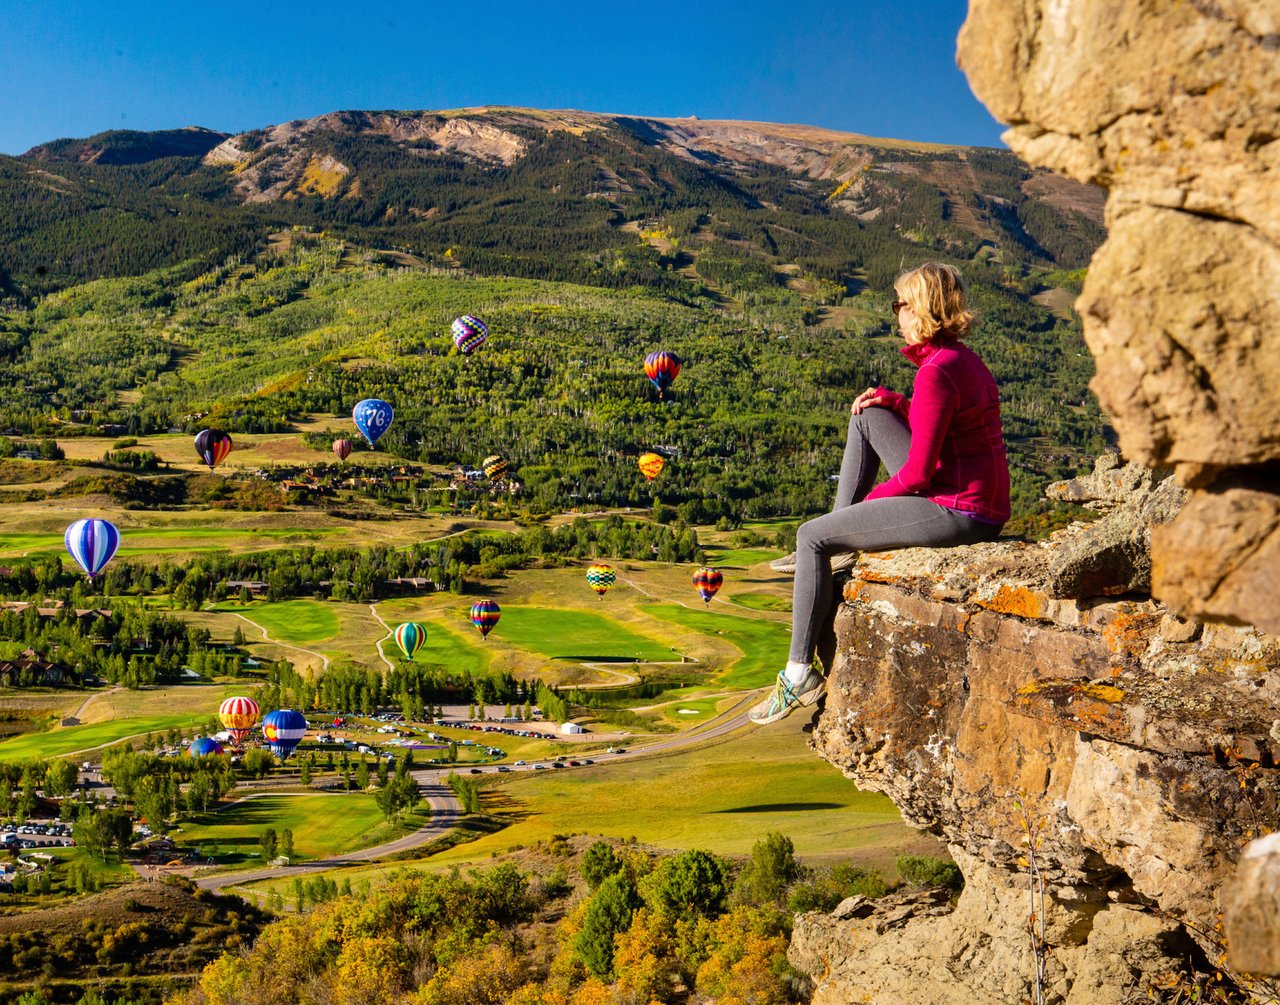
{"x":897,"y":305}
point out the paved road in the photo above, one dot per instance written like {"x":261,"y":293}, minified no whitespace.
{"x":446,"y":810}
{"x":445,"y":813}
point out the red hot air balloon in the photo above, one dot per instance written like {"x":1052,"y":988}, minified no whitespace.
{"x":342,"y":449}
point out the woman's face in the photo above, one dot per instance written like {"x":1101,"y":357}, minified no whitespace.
{"x":906,"y":317}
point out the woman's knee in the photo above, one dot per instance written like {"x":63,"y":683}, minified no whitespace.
{"x":809,"y":537}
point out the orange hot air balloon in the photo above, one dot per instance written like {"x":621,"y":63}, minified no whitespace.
{"x":651,"y":465}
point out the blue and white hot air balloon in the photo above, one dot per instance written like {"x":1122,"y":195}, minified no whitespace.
{"x":92,"y":543}
{"x":282,"y":730}
{"x":373,"y":418}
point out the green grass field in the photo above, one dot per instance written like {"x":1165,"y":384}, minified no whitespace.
{"x":454,"y":650}
{"x":290,"y":620}
{"x":577,"y":635}
{"x":763,"y":644}
{"x":321,"y":824}
{"x":761,"y":601}
{"x":738,"y":558}
{"x":67,"y":740}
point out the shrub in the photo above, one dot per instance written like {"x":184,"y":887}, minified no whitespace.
{"x":824,"y":891}
{"x":924,"y":870}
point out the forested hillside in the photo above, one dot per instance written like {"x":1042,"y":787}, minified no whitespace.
{"x":298,"y":269}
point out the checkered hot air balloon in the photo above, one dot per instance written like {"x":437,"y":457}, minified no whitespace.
{"x":238,"y":716}
{"x":707,"y":582}
{"x":600,"y":578}
{"x":651,"y":465}
{"x":469,"y":333}
{"x":494,"y":467}
{"x":484,"y":615}
{"x":410,"y":637}
{"x":282,"y":730}
{"x":662,"y":368}
{"x":213,"y":445}
{"x":92,"y":543}
{"x":204,"y":746}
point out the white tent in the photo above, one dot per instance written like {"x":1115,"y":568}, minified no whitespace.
{"x":572,"y":727}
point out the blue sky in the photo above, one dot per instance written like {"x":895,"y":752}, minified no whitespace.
{"x":883,"y":68}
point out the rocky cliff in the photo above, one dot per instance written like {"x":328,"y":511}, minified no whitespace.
{"x":1171,"y":105}
{"x":1055,"y":725}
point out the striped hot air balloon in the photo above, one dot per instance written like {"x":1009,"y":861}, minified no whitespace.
{"x":651,"y":464}
{"x":494,"y":467}
{"x":92,"y":543}
{"x":342,"y":449}
{"x":213,"y":445}
{"x":410,"y":637}
{"x":469,"y":333}
{"x":662,"y":368}
{"x":204,"y":746}
{"x":707,"y":582}
{"x":282,"y":730}
{"x":600,"y":577}
{"x":484,"y":615}
{"x":238,"y":716}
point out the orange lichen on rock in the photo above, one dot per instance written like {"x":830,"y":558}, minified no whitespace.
{"x":1020,"y":601}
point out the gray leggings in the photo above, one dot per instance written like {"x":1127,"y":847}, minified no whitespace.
{"x":875,"y":435}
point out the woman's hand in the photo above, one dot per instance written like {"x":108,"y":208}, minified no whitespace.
{"x":869,"y":398}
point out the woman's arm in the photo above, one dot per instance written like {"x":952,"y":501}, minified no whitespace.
{"x":932,"y":406}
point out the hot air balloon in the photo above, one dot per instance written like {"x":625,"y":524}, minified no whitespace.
{"x":373,"y":418}
{"x":600,"y":578}
{"x":92,"y":543}
{"x":282,"y":730}
{"x":707,"y":582}
{"x":651,"y":465}
{"x":662,"y":368}
{"x":484,"y":615}
{"x":410,"y":637}
{"x":494,"y":467}
{"x":469,"y":333}
{"x":238,"y":717}
{"x":213,"y":445}
{"x":204,"y":746}
{"x":342,"y":449}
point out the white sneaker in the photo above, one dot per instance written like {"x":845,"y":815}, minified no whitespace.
{"x":787,"y":697}
{"x":839,"y":562}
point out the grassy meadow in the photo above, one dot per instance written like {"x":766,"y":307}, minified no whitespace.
{"x":322,"y":825}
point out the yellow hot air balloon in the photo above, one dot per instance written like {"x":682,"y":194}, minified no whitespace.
{"x":651,"y":465}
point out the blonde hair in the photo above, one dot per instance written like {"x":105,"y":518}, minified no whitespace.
{"x":936,"y":295}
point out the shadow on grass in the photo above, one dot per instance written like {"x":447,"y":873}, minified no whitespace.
{"x":783,"y":807}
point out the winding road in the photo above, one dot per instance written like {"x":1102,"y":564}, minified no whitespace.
{"x":446,"y":811}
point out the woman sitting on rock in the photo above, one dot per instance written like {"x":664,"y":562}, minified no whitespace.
{"x":943,"y":449}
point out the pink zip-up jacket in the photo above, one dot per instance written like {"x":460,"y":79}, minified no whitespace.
{"x":957,"y":454}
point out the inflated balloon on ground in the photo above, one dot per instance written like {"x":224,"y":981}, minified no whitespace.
{"x":283,"y":729}
{"x":238,"y":716}
{"x":204,"y":746}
